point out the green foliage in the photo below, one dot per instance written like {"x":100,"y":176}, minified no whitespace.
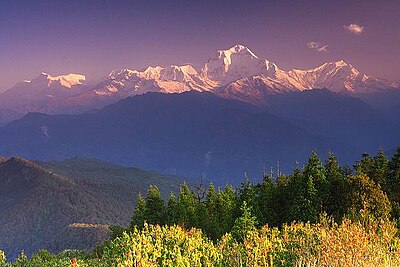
{"x":171,"y":210}
{"x":22,"y":260}
{"x":162,"y":246}
{"x":366,"y":243}
{"x":139,"y":215}
{"x":374,"y":167}
{"x":337,"y":198}
{"x":302,"y":196}
{"x":154,"y":211}
{"x":244,"y":224}
{"x":304,"y":204}
{"x":186,"y":207}
{"x":321,"y":215}
{"x":3,"y":258}
{"x":393,"y":176}
{"x":366,"y":195}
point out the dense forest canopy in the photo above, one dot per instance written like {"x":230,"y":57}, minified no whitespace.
{"x":304,"y":195}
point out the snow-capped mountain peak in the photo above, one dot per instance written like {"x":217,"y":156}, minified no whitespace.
{"x":239,"y":73}
{"x":237,"y":50}
{"x":235,"y":73}
{"x":339,"y":76}
{"x":170,"y":79}
{"x":234,"y":63}
{"x":67,"y":81}
{"x":43,"y":88}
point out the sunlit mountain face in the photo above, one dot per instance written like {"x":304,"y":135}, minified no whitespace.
{"x":235,"y":73}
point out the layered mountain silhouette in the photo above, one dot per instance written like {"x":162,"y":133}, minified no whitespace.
{"x":67,"y":205}
{"x":228,"y":118}
{"x":201,"y":134}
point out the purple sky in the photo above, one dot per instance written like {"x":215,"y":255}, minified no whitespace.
{"x":94,"y":37}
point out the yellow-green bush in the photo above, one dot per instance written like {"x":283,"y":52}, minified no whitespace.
{"x":2,"y":258}
{"x":365,"y":243}
{"x":162,"y":246}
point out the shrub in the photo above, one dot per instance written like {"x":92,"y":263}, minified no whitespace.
{"x":3,"y":258}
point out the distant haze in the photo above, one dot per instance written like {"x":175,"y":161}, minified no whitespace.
{"x":94,"y":37}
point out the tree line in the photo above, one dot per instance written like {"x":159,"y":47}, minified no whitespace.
{"x":372,"y":185}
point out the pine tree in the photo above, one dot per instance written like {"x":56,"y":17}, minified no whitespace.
{"x":304,"y":204}
{"x":393,"y":176}
{"x":139,"y":216}
{"x":244,"y":223}
{"x":316,"y":170}
{"x":393,"y":182}
{"x":365,"y":165}
{"x":379,"y":169}
{"x":171,"y":210}
{"x":266,"y":194}
{"x":336,"y":201}
{"x":186,"y":207}
{"x":213,"y":226}
{"x":247,"y":193}
{"x":227,"y":202}
{"x":154,"y":211}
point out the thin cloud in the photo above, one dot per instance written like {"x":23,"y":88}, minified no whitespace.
{"x":354,"y":28}
{"x":318,"y":47}
{"x":323,"y":49}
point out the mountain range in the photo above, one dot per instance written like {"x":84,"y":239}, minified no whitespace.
{"x":231,"y":117}
{"x":235,"y":73}
{"x":196,"y":134}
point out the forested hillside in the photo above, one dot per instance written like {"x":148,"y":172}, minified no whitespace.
{"x":70,"y":204}
{"x":321,"y":213}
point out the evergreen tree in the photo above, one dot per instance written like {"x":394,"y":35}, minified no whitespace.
{"x":154,"y":206}
{"x":139,"y":216}
{"x":227,"y":203}
{"x":244,"y":223}
{"x":284,"y":197}
{"x":304,"y":204}
{"x":379,"y":169}
{"x":186,"y":207}
{"x":365,"y":165}
{"x":393,"y":182}
{"x":247,"y":194}
{"x":213,"y":226}
{"x":266,"y":194}
{"x":336,"y":201}
{"x":315,"y":171}
{"x":374,"y":167}
{"x":171,"y":210}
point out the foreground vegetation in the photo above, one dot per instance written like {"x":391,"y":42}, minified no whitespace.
{"x":365,"y":243}
{"x":320,"y":215}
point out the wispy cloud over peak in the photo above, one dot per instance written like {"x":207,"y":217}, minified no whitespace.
{"x":317,"y":46}
{"x":354,"y":28}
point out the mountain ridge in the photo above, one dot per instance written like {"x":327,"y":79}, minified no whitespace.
{"x":67,"y":205}
{"x":235,"y":73}
{"x":193,"y":134}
